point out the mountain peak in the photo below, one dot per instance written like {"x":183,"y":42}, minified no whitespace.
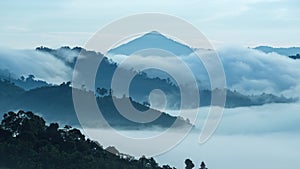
{"x":154,"y":35}
{"x":155,"y":32}
{"x":154,"y":40}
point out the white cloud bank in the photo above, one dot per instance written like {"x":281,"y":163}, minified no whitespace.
{"x":247,"y":70}
{"x":247,"y":137}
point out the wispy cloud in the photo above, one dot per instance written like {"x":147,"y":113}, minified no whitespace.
{"x":16,"y":29}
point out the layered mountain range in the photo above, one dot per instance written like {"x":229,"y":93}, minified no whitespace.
{"x":29,"y":93}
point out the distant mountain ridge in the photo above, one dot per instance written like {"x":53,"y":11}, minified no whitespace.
{"x":291,"y":51}
{"x":55,"y":104}
{"x":155,"y":40}
{"x":26,"y":83}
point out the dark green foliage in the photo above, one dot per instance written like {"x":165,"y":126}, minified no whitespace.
{"x":26,"y":142}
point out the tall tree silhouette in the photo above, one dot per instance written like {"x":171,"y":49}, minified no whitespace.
{"x":189,"y":164}
{"x":202,"y":166}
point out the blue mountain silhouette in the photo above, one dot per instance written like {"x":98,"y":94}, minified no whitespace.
{"x":155,"y":40}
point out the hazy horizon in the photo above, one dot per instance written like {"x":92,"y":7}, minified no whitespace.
{"x":28,"y":24}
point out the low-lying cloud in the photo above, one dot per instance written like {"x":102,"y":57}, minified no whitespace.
{"x":247,"y":70}
{"x":246,"y":133}
{"x":251,"y":71}
{"x":42,"y":65}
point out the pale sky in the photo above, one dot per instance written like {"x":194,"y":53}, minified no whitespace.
{"x":28,"y":24}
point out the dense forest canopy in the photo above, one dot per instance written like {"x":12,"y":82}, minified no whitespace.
{"x":27,"y":142}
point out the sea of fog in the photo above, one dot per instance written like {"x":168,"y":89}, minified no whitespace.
{"x":258,"y":137}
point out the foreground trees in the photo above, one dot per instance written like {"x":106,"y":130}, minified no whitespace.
{"x":189,"y":164}
{"x":27,"y":142}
